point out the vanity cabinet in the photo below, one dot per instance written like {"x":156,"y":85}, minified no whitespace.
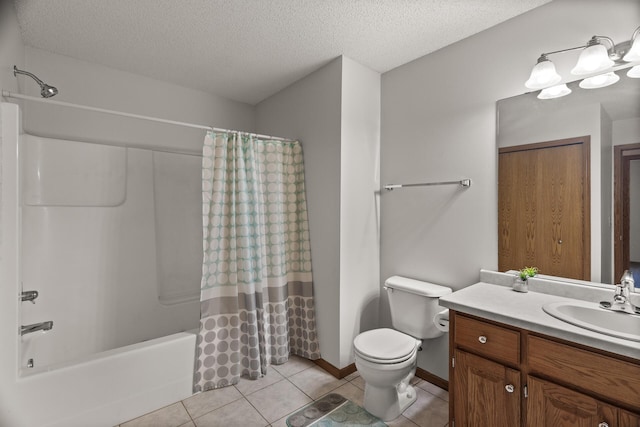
{"x":505,"y":376}
{"x":549,"y":404}
{"x":486,"y":401}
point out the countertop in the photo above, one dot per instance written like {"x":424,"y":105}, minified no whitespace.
{"x":524,"y":310}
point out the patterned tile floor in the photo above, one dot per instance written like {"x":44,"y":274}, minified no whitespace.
{"x":268,"y":401}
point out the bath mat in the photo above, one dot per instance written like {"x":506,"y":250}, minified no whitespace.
{"x":333,"y":410}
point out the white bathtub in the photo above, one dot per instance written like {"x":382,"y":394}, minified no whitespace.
{"x":110,"y":387}
{"x":93,"y":385}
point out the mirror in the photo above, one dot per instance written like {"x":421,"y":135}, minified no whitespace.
{"x":610,"y":116}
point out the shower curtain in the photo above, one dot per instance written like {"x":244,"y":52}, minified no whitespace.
{"x":256,"y":301}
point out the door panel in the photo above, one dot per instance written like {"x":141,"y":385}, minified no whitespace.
{"x":481,"y":398}
{"x":550,"y":405}
{"x":543,"y":209}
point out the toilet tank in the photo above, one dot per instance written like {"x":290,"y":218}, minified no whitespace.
{"x":413,"y":305}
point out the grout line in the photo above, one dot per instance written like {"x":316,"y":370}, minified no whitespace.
{"x":187,"y":411}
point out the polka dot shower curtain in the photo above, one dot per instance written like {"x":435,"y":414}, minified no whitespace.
{"x":256,"y":298}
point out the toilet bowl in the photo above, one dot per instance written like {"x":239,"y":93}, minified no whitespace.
{"x":386,"y":370}
{"x":385,"y":358}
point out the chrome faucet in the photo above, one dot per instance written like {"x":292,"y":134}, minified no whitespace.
{"x":43,"y":326}
{"x":621,"y":297}
{"x":29,"y":296}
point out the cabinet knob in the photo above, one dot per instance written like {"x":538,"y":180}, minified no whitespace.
{"x":510,"y":388}
{"x":603,"y":424}
{"x":482,"y":339}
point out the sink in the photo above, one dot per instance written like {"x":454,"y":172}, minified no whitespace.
{"x":589,"y":315}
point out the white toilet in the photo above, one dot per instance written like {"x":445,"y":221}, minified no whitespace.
{"x":386,"y":358}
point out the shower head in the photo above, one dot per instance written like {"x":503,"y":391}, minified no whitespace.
{"x":45,"y":90}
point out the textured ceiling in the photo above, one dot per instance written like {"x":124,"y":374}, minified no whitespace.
{"x":247,"y":50}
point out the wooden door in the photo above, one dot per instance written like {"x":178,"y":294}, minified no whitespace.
{"x":550,"y":405}
{"x":544,"y":208}
{"x":623,"y":156}
{"x":482,"y":398}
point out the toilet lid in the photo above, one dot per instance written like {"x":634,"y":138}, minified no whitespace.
{"x":385,"y":345}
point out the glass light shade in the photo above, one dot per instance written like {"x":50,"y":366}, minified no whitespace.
{"x":593,"y":59}
{"x":634,"y":72}
{"x":543,"y":75}
{"x":634,"y":52}
{"x":554,"y":92}
{"x":601,"y":80}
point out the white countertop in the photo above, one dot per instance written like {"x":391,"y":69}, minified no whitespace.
{"x":524,"y":310}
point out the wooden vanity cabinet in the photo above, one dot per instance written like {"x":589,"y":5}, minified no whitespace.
{"x":549,"y":404}
{"x":505,"y":376}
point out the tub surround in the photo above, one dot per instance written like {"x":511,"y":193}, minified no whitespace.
{"x":493,"y":299}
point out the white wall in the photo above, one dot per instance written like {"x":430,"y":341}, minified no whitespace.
{"x":605,"y":219}
{"x":359,"y":201}
{"x":310,"y":110}
{"x":335,"y":112}
{"x":438,"y":123}
{"x":85,"y":83}
{"x":11,"y":47}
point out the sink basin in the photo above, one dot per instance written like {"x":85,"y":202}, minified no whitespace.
{"x":589,"y":315}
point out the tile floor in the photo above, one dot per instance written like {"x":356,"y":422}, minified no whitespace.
{"x":268,"y":401}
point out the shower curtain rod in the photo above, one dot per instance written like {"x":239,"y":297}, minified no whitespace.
{"x":8,"y":94}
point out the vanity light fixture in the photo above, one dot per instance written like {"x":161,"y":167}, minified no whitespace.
{"x":554,"y":92}
{"x":634,"y":72}
{"x":595,"y":63}
{"x":634,"y":53}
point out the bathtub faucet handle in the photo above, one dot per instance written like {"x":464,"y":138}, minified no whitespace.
{"x":29,"y":296}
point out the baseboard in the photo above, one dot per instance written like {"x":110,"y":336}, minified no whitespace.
{"x":433,"y":379}
{"x":348,"y":370}
{"x":336,"y":372}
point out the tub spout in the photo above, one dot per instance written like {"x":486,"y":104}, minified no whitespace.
{"x":43,"y":326}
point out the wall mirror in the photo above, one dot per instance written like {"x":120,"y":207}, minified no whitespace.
{"x":609,"y":118}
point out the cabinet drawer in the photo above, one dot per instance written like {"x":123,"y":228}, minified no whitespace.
{"x":486,"y":339}
{"x":605,"y":376}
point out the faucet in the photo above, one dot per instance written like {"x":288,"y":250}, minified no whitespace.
{"x":42,"y":326}
{"x":29,"y":296}
{"x":621,"y":297}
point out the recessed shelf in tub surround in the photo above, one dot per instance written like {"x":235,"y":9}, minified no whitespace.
{"x":493,"y":299}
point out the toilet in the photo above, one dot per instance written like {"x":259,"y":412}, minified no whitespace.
{"x":386,"y":359}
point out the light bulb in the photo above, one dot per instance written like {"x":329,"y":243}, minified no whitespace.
{"x":554,"y":92}
{"x":601,"y":80}
{"x":543,"y":75}
{"x":592,"y":59}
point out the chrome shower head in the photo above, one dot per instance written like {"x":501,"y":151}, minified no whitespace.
{"x":45,"y":90}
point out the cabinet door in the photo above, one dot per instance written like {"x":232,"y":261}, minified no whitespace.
{"x":550,"y":405}
{"x":487,"y":394}
{"x":627,"y":419}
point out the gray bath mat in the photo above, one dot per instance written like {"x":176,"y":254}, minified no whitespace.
{"x":333,"y":410}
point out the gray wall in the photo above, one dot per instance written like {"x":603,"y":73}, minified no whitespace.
{"x":438,"y":123}
{"x":309,"y":110}
{"x":95,"y":85}
{"x":335,"y":112}
{"x":11,"y":48}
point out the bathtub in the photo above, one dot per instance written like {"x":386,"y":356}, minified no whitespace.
{"x":107,"y":379}
{"x":108,"y":388}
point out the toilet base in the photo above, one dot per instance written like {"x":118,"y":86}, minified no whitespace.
{"x":388,"y":403}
